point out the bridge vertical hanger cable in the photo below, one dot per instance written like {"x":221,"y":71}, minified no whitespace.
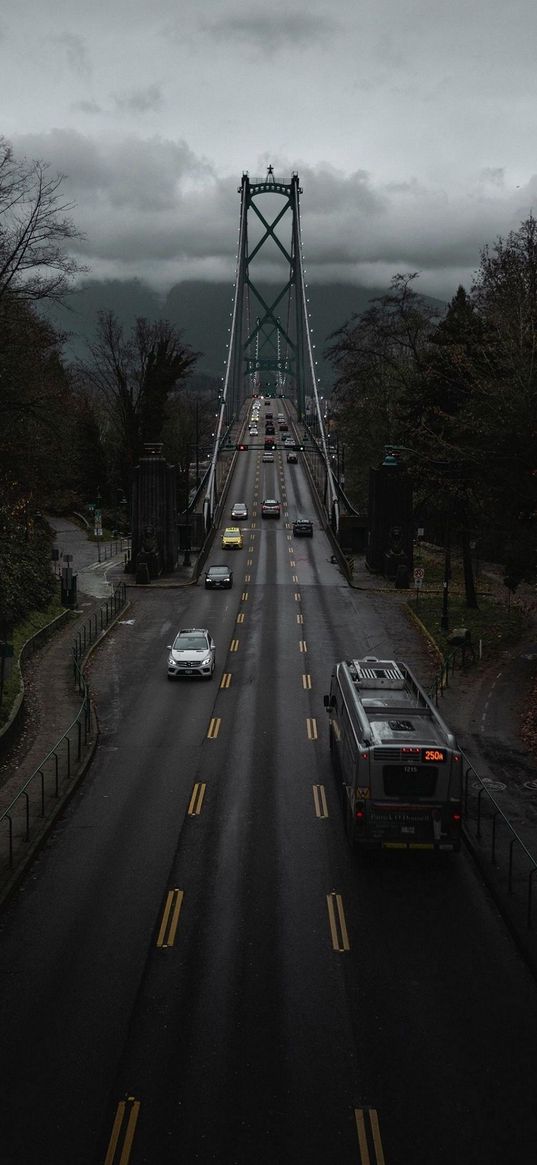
{"x":332,"y":498}
{"x":229,"y":405}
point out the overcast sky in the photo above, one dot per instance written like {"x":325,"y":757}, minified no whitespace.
{"x":411,"y":124}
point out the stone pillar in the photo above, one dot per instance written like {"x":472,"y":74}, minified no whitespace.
{"x":154,"y":514}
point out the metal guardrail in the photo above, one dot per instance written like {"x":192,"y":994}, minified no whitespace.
{"x":511,"y":865}
{"x":113,"y":548}
{"x":514,"y":866}
{"x":26,"y":816}
{"x":441,"y":679}
{"x":94,"y":627}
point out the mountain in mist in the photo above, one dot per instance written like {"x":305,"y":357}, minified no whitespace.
{"x":201,"y":311}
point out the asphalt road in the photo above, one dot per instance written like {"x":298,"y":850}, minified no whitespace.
{"x":196,"y":970}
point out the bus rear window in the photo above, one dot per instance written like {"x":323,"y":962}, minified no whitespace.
{"x":409,"y":780}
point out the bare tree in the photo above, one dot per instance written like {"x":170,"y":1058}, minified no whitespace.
{"x":135,"y":376}
{"x":34,"y":229}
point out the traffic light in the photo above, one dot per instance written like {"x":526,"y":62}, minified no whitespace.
{"x":241,"y":447}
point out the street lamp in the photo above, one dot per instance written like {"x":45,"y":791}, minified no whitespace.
{"x":98,"y":528}
{"x":444,"y":619}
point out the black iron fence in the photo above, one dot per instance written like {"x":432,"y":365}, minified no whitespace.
{"x":511,"y":866}
{"x":26,"y":818}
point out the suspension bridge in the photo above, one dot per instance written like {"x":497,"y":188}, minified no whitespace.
{"x":270,"y":347}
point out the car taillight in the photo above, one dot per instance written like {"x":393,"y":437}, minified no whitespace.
{"x":456,"y":818}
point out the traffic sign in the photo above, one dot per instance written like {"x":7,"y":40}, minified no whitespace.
{"x":419,"y":575}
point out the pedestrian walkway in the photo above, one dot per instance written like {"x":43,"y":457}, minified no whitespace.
{"x":51,"y":697}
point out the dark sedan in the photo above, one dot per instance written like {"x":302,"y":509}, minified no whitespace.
{"x":303,"y":528}
{"x":218,"y":577}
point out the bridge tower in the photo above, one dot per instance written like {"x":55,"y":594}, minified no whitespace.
{"x":269,"y":331}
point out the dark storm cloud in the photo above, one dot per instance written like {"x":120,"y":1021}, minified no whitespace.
{"x":153,"y":208}
{"x":139,"y":100}
{"x":272,"y":31}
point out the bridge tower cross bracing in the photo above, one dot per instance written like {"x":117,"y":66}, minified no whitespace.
{"x":269,"y":323}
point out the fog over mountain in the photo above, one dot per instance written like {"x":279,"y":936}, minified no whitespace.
{"x":202,"y":312}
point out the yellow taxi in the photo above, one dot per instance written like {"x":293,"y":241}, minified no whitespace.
{"x":232,"y":538}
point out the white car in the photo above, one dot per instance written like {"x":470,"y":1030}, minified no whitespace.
{"x":239,"y":511}
{"x":192,"y":653}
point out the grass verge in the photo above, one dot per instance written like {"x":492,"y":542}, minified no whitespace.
{"x":497,"y":623}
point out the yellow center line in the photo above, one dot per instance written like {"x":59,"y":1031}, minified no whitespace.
{"x":306,"y":681}
{"x":362,"y":1137}
{"x":319,"y":800}
{"x":170,"y":918}
{"x":369,"y":1118}
{"x":338,"y":926}
{"x":131,"y":1106}
{"x":244,"y":596}
{"x":196,"y":800}
{"x":311,"y":725}
{"x":294,"y":578}
{"x":214,"y":727}
{"x":234,"y":645}
{"x":226,"y":680}
{"x":297,"y":596}
{"x":302,"y":646}
{"x":300,"y":618}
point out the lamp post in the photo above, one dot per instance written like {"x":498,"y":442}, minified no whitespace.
{"x":444,"y":619}
{"x":98,"y":529}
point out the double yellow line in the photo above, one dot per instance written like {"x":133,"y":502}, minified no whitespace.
{"x":123,"y":1130}
{"x":369,"y":1141}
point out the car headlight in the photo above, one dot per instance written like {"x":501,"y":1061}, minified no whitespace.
{"x":171,"y":661}
{"x":206,"y":662}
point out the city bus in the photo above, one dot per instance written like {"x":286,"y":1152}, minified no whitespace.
{"x":397,"y":764}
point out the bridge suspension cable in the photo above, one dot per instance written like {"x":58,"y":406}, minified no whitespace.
{"x":268,"y":350}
